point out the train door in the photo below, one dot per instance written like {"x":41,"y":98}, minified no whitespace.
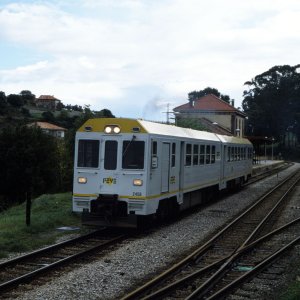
{"x":165,"y":167}
{"x":181,"y":170}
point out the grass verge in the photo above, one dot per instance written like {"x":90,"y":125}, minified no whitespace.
{"x":48,"y":212}
{"x":293,"y":291}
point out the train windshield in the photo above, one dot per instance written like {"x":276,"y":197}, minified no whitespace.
{"x":88,"y":154}
{"x":133,"y":154}
{"x":111,"y":154}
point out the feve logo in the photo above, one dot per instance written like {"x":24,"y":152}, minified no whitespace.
{"x":109,"y":180}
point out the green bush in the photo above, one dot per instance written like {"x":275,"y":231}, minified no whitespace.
{"x":47,"y":214}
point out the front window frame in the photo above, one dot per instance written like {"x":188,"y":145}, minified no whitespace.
{"x":88,"y":151}
{"x":133,"y":155}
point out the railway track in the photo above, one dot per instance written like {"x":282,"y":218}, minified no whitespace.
{"x":268,"y":172}
{"x":25,"y":268}
{"x":38,"y":263}
{"x":222,"y":263}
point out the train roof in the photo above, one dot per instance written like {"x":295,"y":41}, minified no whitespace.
{"x":131,"y":126}
{"x":233,"y":139}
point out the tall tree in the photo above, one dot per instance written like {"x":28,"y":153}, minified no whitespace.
{"x":3,"y":103}
{"x":15,"y":100}
{"x":272,"y":102}
{"x":29,"y":162}
{"x":104,"y":113}
{"x":27,"y":96}
{"x":198,"y":94}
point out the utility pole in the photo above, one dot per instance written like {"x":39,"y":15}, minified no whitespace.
{"x":168,"y":113}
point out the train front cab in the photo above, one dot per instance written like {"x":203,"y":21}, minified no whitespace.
{"x":109,"y":175}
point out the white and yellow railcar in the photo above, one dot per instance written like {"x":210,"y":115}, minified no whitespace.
{"x":128,"y":169}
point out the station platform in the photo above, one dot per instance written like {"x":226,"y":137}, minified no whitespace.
{"x":265,"y":165}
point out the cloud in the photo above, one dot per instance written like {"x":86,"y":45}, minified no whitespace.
{"x":99,"y":52}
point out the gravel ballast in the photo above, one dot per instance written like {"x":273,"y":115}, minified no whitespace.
{"x":122,"y":269}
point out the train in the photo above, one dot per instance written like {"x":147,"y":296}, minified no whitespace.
{"x":130,"y":170}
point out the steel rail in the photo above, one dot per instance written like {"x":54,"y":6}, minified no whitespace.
{"x":194,"y":257}
{"x":268,"y":173}
{"x":48,"y":249}
{"x":265,"y":263}
{"x":27,"y":277}
{"x":210,"y":282}
{"x":167,"y":289}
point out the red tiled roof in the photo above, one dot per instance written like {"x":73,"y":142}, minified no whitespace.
{"x":208,"y":102}
{"x":47,"y":97}
{"x":46,"y":125}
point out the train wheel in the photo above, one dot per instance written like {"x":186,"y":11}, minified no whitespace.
{"x":145,"y":222}
{"x":168,"y":210}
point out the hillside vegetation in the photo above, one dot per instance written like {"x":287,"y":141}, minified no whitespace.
{"x":49,"y":212}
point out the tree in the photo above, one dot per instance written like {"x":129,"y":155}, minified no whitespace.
{"x":48,"y":116}
{"x":198,"y":94}
{"x":3,"y":103}
{"x":59,"y":106}
{"x":104,"y":113}
{"x":29,"y":162}
{"x":272,"y":102}
{"x":191,"y":123}
{"x":27,"y":96}
{"x":15,"y":100}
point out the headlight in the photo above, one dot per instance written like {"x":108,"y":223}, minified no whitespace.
{"x":108,"y":129}
{"x":82,"y":180}
{"x":112,"y":129}
{"x":117,"y":129}
{"x":137,"y":182}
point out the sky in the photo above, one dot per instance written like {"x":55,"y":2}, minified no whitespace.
{"x":139,"y":57}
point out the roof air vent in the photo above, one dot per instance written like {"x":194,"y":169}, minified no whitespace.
{"x":88,"y":128}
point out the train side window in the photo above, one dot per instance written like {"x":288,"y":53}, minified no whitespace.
{"x":188,"y":154}
{"x":202,"y":154}
{"x":110,"y":155}
{"x":213,"y":154}
{"x":196,"y":155}
{"x":154,"y":148}
{"x":235,"y":153}
{"x":154,"y":162}
{"x":133,"y":154}
{"x":173,"y":155}
{"x":207,"y":161}
{"x":88,"y":154}
{"x":228,"y":154}
{"x":232,"y":154}
{"x":250,"y":153}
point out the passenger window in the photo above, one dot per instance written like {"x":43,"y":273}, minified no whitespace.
{"x":202,"y":154}
{"x":196,"y":155}
{"x":110,"y":155}
{"x":207,"y":161}
{"x":213,"y":154}
{"x":188,"y":154}
{"x":154,"y":148}
{"x":235,"y":153}
{"x":228,"y":153}
{"x":154,"y":162}
{"x":173,"y":155}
